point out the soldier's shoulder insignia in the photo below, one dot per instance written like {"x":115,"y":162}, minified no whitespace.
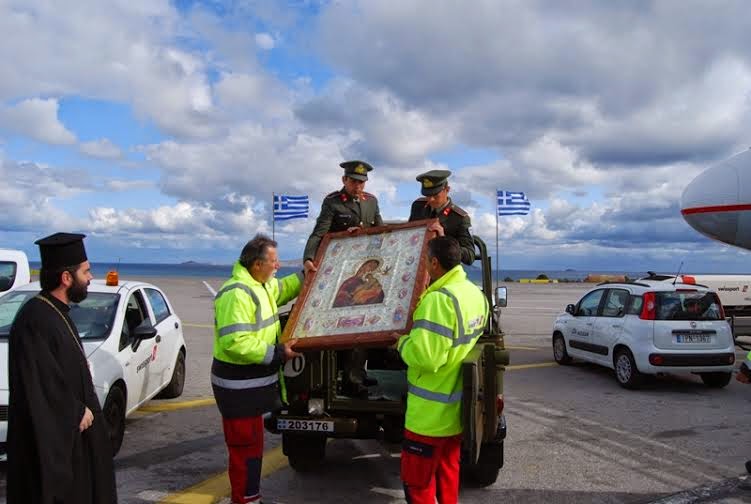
{"x":333,"y":194}
{"x":459,"y":210}
{"x":367,"y":195}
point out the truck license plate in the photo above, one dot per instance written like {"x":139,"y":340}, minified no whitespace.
{"x":304,"y":425}
{"x":693,"y":338}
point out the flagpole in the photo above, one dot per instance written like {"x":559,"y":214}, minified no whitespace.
{"x":273,"y":221}
{"x":497,"y":261}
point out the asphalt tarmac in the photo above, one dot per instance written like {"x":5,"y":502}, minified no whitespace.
{"x":574,"y":435}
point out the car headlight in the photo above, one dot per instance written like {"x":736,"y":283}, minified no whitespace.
{"x":315,"y":407}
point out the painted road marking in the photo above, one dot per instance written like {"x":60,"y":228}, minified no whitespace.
{"x":201,"y":326}
{"x":175,"y":406}
{"x":531,"y":366}
{"x":507,"y":347}
{"x":211,"y":290}
{"x":217,"y":487}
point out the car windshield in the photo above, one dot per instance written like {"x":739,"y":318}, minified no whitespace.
{"x":93,"y":317}
{"x":687,"y":306}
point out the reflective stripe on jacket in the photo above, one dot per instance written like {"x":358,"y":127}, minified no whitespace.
{"x":746,"y":366}
{"x":449,"y":318}
{"x":245,"y":373}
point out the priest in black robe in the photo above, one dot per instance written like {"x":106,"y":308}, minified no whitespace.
{"x":58,"y":448}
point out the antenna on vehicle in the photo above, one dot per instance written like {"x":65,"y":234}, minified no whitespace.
{"x":678,"y":273}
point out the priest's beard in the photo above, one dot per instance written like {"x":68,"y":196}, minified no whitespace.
{"x":78,"y":291}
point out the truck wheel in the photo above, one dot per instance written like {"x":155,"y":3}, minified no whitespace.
{"x":716,"y":380}
{"x":485,"y":472}
{"x":560,"y":354}
{"x":176,"y":384}
{"x":114,"y":416}
{"x":626,"y":372}
{"x":305,"y":452}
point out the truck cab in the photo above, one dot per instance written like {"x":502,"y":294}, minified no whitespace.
{"x":318,"y":409}
{"x":14,"y":270}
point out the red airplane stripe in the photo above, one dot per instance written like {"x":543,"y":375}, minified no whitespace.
{"x":717,"y":208}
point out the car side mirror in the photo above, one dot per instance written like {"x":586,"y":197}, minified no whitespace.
{"x":144,"y":331}
{"x":571,"y":309}
{"x":501,"y":297}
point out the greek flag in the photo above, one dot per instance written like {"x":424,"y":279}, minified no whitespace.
{"x":512,"y":203}
{"x":290,"y":207}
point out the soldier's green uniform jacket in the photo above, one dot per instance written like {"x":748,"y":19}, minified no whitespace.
{"x":340,"y":211}
{"x":455,"y":222}
{"x":245,"y":372}
{"x":448,"y":320}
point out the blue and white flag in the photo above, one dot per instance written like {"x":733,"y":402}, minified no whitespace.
{"x":290,"y":207}
{"x":512,"y":203}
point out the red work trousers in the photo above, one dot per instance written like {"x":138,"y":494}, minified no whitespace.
{"x":430,"y":468}
{"x":244,"y":438}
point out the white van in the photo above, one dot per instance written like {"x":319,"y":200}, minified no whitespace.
{"x":14,"y":270}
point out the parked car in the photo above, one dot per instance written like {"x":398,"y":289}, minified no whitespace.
{"x":133,"y":341}
{"x":647,"y":327}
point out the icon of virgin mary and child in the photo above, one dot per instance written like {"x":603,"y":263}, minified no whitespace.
{"x":363,"y":288}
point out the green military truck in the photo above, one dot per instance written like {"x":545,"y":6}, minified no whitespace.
{"x":318,"y":410}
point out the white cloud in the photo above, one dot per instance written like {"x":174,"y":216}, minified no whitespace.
{"x":37,"y":119}
{"x":265,"y":41}
{"x":102,"y":148}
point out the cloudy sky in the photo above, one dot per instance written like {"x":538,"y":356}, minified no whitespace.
{"x":160,"y":129}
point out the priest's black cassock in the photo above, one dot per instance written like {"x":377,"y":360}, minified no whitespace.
{"x":49,"y":460}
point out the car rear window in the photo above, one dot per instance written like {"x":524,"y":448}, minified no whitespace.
{"x":687,"y":305}
{"x":7,"y":275}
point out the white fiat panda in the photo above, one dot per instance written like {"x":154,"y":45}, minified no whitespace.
{"x":647,"y":327}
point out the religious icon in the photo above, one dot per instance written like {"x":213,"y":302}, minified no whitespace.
{"x":363,"y":288}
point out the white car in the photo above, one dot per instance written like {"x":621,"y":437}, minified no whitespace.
{"x":649,"y":326}
{"x":132,"y":338}
{"x":14,"y":270}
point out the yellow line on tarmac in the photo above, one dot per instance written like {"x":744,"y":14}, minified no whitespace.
{"x":201,"y":326}
{"x":531,"y":366}
{"x":507,"y":347}
{"x":174,"y":406}
{"x":215,"y":488}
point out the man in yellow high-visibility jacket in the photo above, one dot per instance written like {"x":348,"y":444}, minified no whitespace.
{"x":245,"y":373}
{"x":448,"y":319}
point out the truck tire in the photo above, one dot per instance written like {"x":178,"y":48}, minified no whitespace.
{"x":305,"y":452}
{"x":485,"y":472}
{"x":716,"y":380}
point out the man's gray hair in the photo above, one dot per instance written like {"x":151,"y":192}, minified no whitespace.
{"x":256,"y":249}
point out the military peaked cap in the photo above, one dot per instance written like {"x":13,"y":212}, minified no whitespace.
{"x":433,"y":181}
{"x":357,"y":170}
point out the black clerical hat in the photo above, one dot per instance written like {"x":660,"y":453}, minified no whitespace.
{"x":61,"y":250}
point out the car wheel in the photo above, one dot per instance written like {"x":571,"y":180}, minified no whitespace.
{"x":176,"y":384}
{"x":716,"y":380}
{"x":626,"y":372}
{"x":114,"y":415}
{"x":560,"y":354}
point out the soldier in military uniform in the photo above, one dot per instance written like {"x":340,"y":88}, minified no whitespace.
{"x":452,"y":220}
{"x":350,"y":209}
